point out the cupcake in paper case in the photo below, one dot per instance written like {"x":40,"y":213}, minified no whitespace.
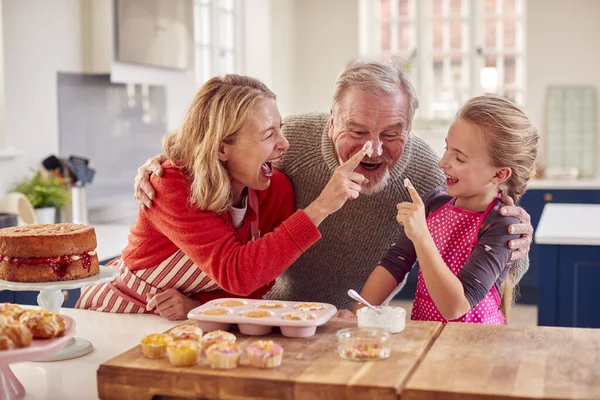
{"x":265,"y":354}
{"x":216,"y":337}
{"x":187,"y":331}
{"x":256,"y":314}
{"x":183,"y":353}
{"x":224,"y":355}
{"x":155,"y":345}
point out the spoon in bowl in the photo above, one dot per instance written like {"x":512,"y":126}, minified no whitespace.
{"x":353,"y":294}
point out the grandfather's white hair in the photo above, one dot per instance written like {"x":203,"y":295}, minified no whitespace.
{"x":375,"y":76}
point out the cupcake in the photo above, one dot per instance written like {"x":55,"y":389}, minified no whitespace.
{"x":270,"y":305}
{"x":155,"y":345}
{"x":216,"y":337}
{"x":223,"y":355}
{"x":215,"y":311}
{"x":183,"y":353}
{"x":265,"y":354}
{"x":232,"y":303}
{"x":256,"y":314}
{"x":310,"y":307}
{"x":299,"y":316}
{"x":187,"y":331}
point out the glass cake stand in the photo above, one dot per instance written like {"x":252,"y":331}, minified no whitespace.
{"x":51,"y":298}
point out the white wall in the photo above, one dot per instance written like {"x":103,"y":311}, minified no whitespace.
{"x":42,"y":38}
{"x":326,"y":38}
{"x":562,"y":48}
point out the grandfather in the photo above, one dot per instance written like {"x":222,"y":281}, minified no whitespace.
{"x":372,"y":100}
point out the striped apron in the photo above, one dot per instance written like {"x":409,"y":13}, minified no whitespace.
{"x":129,"y":291}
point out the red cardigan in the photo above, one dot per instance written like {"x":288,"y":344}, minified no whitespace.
{"x":239,"y":266}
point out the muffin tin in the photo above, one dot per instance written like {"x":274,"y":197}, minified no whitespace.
{"x":258,"y":317}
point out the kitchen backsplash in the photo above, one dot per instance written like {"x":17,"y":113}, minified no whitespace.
{"x":117,"y":127}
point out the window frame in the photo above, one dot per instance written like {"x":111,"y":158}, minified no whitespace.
{"x":472,"y":51}
{"x":213,"y":43}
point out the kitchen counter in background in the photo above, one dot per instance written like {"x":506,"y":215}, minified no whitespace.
{"x":568,"y":240}
{"x":575,"y":184}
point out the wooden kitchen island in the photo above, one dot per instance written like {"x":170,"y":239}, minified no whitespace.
{"x":311,"y":370}
{"x":485,"y":362}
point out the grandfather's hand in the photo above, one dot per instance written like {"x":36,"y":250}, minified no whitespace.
{"x":171,"y":304}
{"x":142,"y":188}
{"x":525,"y":229}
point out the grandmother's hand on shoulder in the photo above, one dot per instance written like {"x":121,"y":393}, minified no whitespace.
{"x":525,"y":229}
{"x":142,"y":188}
{"x":171,"y":304}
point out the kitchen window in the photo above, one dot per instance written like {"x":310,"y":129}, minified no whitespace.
{"x":217,"y":38}
{"x":453,"y":49}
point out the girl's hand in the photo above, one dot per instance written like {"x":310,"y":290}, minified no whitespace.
{"x":412,"y":215}
{"x":344,"y":314}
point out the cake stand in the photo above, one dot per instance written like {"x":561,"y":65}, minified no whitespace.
{"x":51,"y":298}
{"x":10,"y":387}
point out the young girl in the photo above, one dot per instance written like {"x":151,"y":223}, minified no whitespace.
{"x":457,"y":234}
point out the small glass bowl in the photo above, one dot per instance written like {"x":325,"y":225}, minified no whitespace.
{"x":364,"y":344}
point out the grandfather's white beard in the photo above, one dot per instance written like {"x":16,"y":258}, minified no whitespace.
{"x":376,"y":184}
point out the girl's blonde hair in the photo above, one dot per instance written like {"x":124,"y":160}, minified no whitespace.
{"x":511,"y":141}
{"x":218,"y":111}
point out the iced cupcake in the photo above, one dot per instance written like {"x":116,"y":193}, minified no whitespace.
{"x":183,"y":353}
{"x":187,"y":331}
{"x":223,"y":355}
{"x":216,"y":337}
{"x":155,"y":345}
{"x":265,"y":354}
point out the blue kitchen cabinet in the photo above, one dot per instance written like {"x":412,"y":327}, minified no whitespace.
{"x":30,"y":297}
{"x":6,"y":296}
{"x":533,"y":202}
{"x":568,"y":286}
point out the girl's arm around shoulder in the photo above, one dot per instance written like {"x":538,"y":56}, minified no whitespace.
{"x":210,"y":240}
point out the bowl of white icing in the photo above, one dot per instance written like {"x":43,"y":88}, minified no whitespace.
{"x":391,"y":319}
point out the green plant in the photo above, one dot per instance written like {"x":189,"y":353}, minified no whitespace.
{"x":45,"y":190}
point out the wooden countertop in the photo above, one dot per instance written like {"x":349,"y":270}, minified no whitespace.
{"x":311,"y":370}
{"x":471,"y":362}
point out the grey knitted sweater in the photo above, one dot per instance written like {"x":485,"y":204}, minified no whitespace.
{"x":355,"y":237}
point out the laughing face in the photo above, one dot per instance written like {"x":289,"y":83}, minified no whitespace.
{"x":470,"y":175}
{"x":257,"y":144}
{"x":361,"y":116}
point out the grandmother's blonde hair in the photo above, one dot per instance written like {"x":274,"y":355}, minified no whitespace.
{"x":217,"y":113}
{"x":511,"y":141}
{"x":381,"y":77}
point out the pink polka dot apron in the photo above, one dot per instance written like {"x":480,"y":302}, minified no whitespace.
{"x":455,"y":233}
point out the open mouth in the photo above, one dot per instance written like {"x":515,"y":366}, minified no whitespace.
{"x":267,"y":169}
{"x":451,"y":181}
{"x":370,"y":165}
